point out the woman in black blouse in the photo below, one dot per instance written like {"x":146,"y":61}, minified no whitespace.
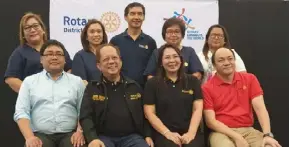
{"x":173,"y":102}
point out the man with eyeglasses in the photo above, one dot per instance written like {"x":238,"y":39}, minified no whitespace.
{"x":48,"y":103}
{"x":112,"y":108}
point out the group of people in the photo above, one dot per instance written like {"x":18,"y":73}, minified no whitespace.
{"x":128,"y":93}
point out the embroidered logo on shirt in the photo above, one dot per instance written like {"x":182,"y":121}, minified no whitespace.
{"x":135,"y":96}
{"x":244,"y":87}
{"x":191,"y":92}
{"x":98,"y":98}
{"x":186,"y":64}
{"x":144,"y":46}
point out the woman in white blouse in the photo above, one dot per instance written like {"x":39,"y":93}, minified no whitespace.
{"x":216,"y":38}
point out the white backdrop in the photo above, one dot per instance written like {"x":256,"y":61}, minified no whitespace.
{"x":68,"y":17}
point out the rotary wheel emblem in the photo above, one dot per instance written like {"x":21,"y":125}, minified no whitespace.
{"x":111,"y":21}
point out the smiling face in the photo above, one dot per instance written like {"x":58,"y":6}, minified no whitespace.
{"x":171,"y":61}
{"x":173,"y":35}
{"x":216,"y":38}
{"x":135,"y":17}
{"x":53,"y":59}
{"x":109,"y":62}
{"x":224,"y":62}
{"x":32,"y":30}
{"x":95,"y":34}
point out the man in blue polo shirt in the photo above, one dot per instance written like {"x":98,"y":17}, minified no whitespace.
{"x":135,"y":46}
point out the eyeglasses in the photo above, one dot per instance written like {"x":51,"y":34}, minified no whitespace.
{"x":29,"y":27}
{"x":53,"y":55}
{"x":171,"y":32}
{"x":217,"y":36}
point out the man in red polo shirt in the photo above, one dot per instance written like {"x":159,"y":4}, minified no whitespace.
{"x":228,"y":100}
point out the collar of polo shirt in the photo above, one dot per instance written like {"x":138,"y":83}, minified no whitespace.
{"x":106,"y":81}
{"x":126,"y":34}
{"x":49,"y":76}
{"x":219,"y":81}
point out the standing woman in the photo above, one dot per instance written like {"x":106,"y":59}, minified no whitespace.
{"x":25,"y":59}
{"x":84,"y":61}
{"x":173,"y":102}
{"x":173,"y":32}
{"x":216,"y":38}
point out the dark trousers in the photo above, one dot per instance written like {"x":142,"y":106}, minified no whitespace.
{"x":133,"y":140}
{"x":162,"y":141}
{"x":56,"y":140}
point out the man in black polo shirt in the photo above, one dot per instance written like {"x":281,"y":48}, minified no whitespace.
{"x":135,"y":46}
{"x":112,"y":110}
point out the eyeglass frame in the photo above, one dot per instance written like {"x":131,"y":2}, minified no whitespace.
{"x":28,"y":28}
{"x":53,"y":55}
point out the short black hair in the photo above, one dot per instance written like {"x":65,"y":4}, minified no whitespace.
{"x":214,"y":54}
{"x":49,"y":43}
{"x":173,"y":21}
{"x":134,"y":4}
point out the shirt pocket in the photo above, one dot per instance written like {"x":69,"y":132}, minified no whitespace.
{"x":98,"y":105}
{"x":98,"y":100}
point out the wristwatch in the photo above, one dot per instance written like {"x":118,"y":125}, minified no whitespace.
{"x":269,"y":135}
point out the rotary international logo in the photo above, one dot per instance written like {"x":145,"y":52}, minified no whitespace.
{"x":111,"y":21}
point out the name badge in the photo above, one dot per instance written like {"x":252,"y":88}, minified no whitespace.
{"x":143,"y":46}
{"x":135,"y":96}
{"x":98,"y":98}
{"x":191,"y":92}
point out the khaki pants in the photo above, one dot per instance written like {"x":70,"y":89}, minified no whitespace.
{"x":253,"y":137}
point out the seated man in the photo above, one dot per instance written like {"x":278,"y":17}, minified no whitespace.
{"x":228,"y":100}
{"x":111,"y":112}
{"x":48,"y":103}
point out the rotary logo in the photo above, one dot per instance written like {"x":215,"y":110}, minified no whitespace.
{"x":183,"y":17}
{"x":111,"y":21}
{"x":192,"y":32}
